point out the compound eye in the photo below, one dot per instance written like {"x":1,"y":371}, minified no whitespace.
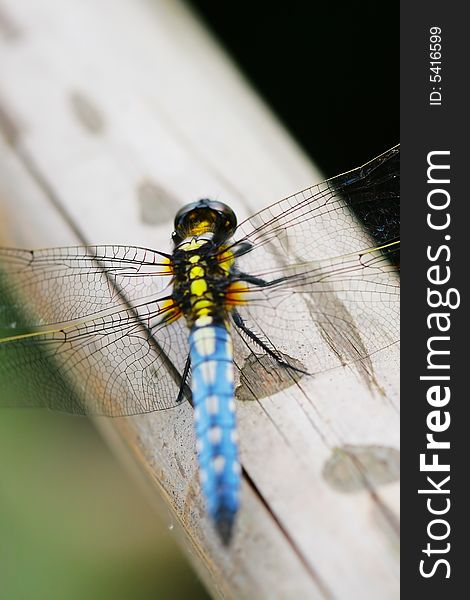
{"x":208,"y":215}
{"x":229,"y":220}
{"x":182,"y":216}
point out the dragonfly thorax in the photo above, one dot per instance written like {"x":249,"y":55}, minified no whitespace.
{"x":200,"y":279}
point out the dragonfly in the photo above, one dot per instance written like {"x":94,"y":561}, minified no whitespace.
{"x":308,"y":284}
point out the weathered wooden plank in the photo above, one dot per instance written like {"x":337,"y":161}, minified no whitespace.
{"x":116,"y":113}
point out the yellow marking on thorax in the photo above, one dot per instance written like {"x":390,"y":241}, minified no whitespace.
{"x":202,"y":306}
{"x":173,"y":312}
{"x":193,"y":244}
{"x":226,"y":260}
{"x":198,"y":287}
{"x":196,"y":272}
{"x":202,"y":302}
{"x":235,"y":293}
{"x":167,"y":266}
{"x":201,"y":298}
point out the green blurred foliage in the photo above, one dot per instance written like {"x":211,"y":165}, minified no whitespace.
{"x":73,"y":525}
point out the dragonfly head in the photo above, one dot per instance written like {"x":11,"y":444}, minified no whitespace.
{"x":202,"y":217}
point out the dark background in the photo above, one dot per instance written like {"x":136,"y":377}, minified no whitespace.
{"x":329,"y":70}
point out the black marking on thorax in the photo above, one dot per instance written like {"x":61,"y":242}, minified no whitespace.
{"x":198,"y":269}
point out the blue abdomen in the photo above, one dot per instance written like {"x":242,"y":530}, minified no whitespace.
{"x":213,"y":398}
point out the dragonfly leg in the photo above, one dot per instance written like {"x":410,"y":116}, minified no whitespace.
{"x":184,"y":389}
{"x":240,"y":323}
{"x":258,"y":281}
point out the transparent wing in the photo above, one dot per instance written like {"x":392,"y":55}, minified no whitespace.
{"x":125,"y":362}
{"x":332,"y":313}
{"x":318,"y":282}
{"x":325,"y":278}
{"x":59,"y":284}
{"x":325,"y":220}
